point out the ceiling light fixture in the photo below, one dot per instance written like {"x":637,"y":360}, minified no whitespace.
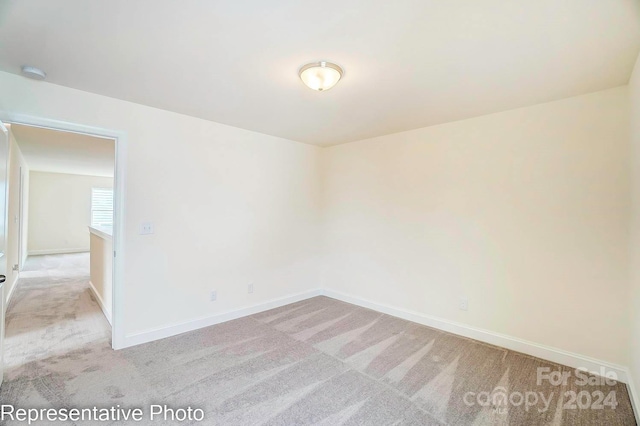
{"x":33,"y":73}
{"x":321,"y":75}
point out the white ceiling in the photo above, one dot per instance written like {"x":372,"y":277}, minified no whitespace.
{"x":408,"y":63}
{"x":54,"y":151}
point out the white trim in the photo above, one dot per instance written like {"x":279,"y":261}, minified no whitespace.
{"x":105,"y":311}
{"x":12,"y":289}
{"x":102,"y":233}
{"x":206,"y":321}
{"x":120,"y":137}
{"x":508,"y":342}
{"x":634,"y":396}
{"x":57,"y":251}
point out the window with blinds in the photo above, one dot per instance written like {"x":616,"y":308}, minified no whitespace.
{"x":101,"y":207}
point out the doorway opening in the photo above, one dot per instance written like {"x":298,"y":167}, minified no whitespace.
{"x":92,"y":167}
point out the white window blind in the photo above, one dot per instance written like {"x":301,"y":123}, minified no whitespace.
{"x":101,"y":207}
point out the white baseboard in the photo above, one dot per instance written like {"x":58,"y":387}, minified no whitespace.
{"x":107,"y":312}
{"x":194,"y":324}
{"x":513,"y":343}
{"x":634,"y":395}
{"x":12,"y":289}
{"x":57,"y":251}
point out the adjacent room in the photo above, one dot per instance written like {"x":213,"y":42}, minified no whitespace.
{"x":341,"y":213}
{"x":70,"y":203}
{"x":60,"y":207}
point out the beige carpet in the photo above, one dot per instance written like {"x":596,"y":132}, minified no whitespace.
{"x":316,"y":362}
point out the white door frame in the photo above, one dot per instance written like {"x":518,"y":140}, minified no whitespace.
{"x":120,"y":137}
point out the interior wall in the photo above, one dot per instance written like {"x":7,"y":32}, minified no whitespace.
{"x":25,"y":214}
{"x":60,"y":211}
{"x":229,"y":206}
{"x":101,"y":267}
{"x":634,"y":94}
{"x":16,"y":160}
{"x":524,"y":213}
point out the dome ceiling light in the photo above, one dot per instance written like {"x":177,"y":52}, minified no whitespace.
{"x":321,"y":75}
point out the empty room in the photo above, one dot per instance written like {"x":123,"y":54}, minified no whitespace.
{"x":417,"y":212}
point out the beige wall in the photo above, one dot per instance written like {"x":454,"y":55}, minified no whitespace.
{"x":101,"y":267}
{"x":16,"y":161}
{"x":229,"y":206}
{"x":523,"y":212}
{"x":60,"y":211}
{"x":634,"y":93}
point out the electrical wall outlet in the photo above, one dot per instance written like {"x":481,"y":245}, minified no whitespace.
{"x":213,"y":296}
{"x":146,"y":228}
{"x":464,"y":304}
{"x":250,"y":288}
{"x":15,"y":267}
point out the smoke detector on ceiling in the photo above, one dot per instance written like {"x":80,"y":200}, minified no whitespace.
{"x":33,"y":73}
